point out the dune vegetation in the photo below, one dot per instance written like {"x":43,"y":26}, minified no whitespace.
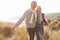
{"x":51,"y":31}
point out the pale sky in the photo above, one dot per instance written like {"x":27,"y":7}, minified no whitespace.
{"x":13,"y":8}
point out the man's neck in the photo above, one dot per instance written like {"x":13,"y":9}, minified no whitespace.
{"x":32,"y":8}
{"x":38,"y":12}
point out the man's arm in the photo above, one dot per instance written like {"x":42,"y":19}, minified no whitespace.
{"x":21,"y":19}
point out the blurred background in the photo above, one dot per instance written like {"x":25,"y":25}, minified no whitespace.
{"x":12,"y":10}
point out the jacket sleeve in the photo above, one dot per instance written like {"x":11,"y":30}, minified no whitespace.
{"x":44,"y":19}
{"x":21,"y":19}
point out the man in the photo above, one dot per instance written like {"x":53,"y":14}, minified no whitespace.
{"x":30,"y":17}
{"x":39,"y":24}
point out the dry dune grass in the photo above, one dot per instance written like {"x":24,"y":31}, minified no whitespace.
{"x":21,"y":34}
{"x":51,"y":31}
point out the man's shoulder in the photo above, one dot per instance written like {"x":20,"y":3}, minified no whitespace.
{"x":28,"y":10}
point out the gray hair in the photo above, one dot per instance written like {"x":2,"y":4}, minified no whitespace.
{"x":33,"y":2}
{"x":39,"y":7}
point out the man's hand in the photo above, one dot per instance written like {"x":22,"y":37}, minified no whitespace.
{"x":12,"y":27}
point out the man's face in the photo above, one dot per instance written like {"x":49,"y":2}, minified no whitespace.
{"x":33,"y":5}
